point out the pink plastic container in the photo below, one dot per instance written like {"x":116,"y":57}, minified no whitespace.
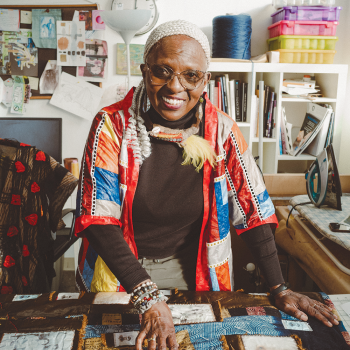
{"x":306,"y":13}
{"x":324,"y":28}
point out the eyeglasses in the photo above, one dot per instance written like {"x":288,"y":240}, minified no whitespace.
{"x":162,"y":75}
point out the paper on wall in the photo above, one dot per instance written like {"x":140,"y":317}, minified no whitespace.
{"x":77,"y":97}
{"x":34,"y":83}
{"x":7,"y":92}
{"x":18,"y":97}
{"x":97,"y":22}
{"x":79,"y":16}
{"x":9,"y":20}
{"x":96,"y":61}
{"x":1,"y":89}
{"x":38,"y":341}
{"x":50,"y":77}
{"x":45,"y":27}
{"x":71,"y":43}
{"x":26,"y":17}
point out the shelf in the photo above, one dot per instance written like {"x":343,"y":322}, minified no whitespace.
{"x":316,"y":100}
{"x":299,"y":157}
{"x":243,"y":124}
{"x":265,"y":139}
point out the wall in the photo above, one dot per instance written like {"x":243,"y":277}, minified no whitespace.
{"x":201,"y":12}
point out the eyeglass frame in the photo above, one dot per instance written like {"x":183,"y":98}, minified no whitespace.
{"x":177,"y":74}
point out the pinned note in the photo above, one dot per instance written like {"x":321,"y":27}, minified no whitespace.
{"x":26,"y":17}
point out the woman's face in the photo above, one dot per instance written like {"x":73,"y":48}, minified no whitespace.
{"x":180,"y":53}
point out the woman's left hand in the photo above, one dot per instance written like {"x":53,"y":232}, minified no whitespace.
{"x":300,"y":306}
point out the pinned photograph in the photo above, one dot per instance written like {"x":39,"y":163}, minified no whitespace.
{"x":192,"y":313}
{"x":86,"y":16}
{"x":50,"y":77}
{"x":96,"y":61}
{"x":125,"y":338}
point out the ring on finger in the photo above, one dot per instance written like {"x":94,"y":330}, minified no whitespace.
{"x":153,"y":338}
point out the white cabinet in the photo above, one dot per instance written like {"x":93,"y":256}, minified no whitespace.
{"x":331,"y":79}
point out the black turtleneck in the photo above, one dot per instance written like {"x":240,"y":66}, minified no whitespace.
{"x":167,"y":214}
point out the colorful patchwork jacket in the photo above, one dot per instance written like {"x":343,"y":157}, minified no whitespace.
{"x":233,"y":191}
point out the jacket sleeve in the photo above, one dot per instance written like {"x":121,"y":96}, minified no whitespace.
{"x":98,"y":200}
{"x":249,"y":203}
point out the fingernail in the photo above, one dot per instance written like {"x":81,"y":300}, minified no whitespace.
{"x":336,"y":322}
{"x":329,"y":324}
{"x":303,"y":317}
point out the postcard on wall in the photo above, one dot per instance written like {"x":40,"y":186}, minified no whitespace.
{"x":71,"y":43}
{"x":77,"y":97}
{"x":50,"y":77}
{"x":192,"y":313}
{"x":7,"y":92}
{"x":44,"y":23}
{"x":96,"y":61}
{"x":9,"y":20}
{"x":125,"y":338}
{"x":97,"y":22}
{"x":38,"y":341}
{"x":18,"y":106}
{"x":136,"y":58}
{"x":86,"y":16}
{"x":112,"y":297}
{"x":26,"y":17}
{"x":18,"y":54}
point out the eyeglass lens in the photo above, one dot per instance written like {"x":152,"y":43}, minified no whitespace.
{"x":161,"y":75}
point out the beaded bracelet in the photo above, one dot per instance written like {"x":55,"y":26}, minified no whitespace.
{"x":146,"y":295}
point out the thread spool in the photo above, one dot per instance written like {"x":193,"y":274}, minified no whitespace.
{"x":72,"y":165}
{"x":232,"y":36}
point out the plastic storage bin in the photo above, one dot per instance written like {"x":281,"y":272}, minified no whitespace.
{"x":307,"y":56}
{"x":304,"y":13}
{"x":295,"y":42}
{"x":327,"y":28}
{"x":282,"y":3}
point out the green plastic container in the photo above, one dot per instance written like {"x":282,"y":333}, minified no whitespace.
{"x":296,"y":42}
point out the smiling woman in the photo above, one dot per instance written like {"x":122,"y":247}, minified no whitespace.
{"x":164,"y":175}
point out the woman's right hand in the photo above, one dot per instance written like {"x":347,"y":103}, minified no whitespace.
{"x":157,"y":323}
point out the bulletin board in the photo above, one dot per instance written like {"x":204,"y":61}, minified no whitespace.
{"x":44,"y":55}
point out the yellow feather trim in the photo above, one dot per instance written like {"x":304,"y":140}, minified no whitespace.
{"x":197,"y":151}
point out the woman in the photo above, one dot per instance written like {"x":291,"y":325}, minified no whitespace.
{"x":165,"y":210}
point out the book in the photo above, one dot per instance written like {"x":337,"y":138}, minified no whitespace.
{"x":224,"y":94}
{"x":216,"y":97}
{"x":232,"y":98}
{"x":283,"y":131}
{"x":244,"y":90}
{"x":228,"y":96}
{"x":266,"y":106}
{"x":319,"y":142}
{"x":253,"y":116}
{"x":274,"y":112}
{"x":237,"y":102}
{"x":269,"y":115}
{"x":312,"y":124}
{"x":211,"y":91}
{"x":219,"y":94}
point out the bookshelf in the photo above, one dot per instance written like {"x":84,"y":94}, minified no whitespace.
{"x":331,"y":78}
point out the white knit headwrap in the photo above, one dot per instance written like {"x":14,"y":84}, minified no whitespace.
{"x":136,"y":133}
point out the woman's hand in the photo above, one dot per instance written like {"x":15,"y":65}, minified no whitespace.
{"x":157,"y":323}
{"x":300,"y":306}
